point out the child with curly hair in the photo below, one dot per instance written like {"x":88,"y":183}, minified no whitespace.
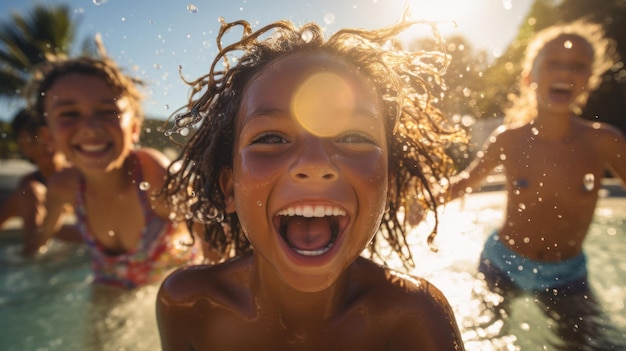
{"x":308,"y":149}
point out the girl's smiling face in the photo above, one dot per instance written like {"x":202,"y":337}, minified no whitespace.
{"x":309,"y":179}
{"x":91,"y":123}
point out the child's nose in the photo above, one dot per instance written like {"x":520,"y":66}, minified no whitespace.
{"x":314,"y":162}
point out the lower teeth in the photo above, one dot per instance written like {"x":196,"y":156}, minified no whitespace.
{"x":313,"y":252}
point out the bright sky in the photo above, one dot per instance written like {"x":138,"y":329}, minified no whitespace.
{"x":152,"y":38}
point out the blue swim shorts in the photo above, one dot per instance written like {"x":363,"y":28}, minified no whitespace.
{"x":502,"y":265}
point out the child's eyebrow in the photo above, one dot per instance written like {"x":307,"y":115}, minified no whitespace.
{"x":269,"y":112}
{"x":280,"y":113}
{"x":72,"y":102}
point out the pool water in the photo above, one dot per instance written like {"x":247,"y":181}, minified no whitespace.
{"x":465,"y":224}
{"x":51,"y":304}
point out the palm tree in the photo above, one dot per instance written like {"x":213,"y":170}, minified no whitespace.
{"x":25,"y":41}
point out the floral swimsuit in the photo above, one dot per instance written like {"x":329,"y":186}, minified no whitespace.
{"x":155,"y":255}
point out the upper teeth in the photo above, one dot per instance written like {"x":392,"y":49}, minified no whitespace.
{"x":312,"y":211}
{"x":93,"y":147}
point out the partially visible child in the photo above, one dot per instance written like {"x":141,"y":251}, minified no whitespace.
{"x":307,"y":149}
{"x":94,"y":113}
{"x":27,"y":201}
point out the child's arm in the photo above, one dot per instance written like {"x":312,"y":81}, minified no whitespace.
{"x":9,"y":208}
{"x":31,"y":205}
{"x":613,"y":146}
{"x":472,"y":176}
{"x":60,"y":193}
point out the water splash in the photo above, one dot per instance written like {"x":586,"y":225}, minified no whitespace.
{"x":589,"y":181}
{"x":192,"y":8}
{"x":329,"y":18}
{"x":307,"y":36}
{"x":568,"y":44}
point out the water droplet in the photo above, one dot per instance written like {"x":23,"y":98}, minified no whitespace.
{"x":157,"y":66}
{"x":525,"y":326}
{"x":184,"y":131}
{"x":111,"y":233}
{"x":502,"y":157}
{"x":589,"y":181}
{"x":176,"y":166}
{"x":259,"y":203}
{"x":192,"y":8}
{"x":307,"y":36}
{"x":167,"y":106}
{"x":521,"y":207}
{"x":329,"y":18}
{"x":144,"y":186}
{"x":568,"y":44}
{"x":99,"y":2}
{"x":534,"y":130}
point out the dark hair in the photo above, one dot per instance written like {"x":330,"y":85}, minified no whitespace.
{"x":48,"y":72}
{"x":418,"y":133}
{"x":23,"y":120}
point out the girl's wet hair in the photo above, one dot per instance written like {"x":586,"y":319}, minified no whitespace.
{"x":417,"y":137}
{"x":54,"y":67}
{"x":522,"y":105}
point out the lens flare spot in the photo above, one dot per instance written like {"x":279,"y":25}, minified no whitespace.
{"x":323,"y":104}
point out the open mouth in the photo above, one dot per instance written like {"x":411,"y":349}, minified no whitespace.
{"x":561,"y":91}
{"x":310,"y":230}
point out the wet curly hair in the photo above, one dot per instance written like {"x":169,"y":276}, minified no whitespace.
{"x":417,"y":132}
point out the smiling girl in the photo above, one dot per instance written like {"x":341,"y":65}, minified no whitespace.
{"x":306,"y":150}
{"x":94,"y":114}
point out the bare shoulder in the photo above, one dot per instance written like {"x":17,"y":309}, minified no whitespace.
{"x":203,"y":282}
{"x":604,"y":138}
{"x":193,"y":298}
{"x":597,"y":129}
{"x":153,"y":157}
{"x":421,"y":314}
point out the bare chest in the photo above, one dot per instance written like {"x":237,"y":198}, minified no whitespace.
{"x":553,"y":169}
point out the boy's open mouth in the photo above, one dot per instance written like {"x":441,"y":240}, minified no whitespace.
{"x":310,"y":230}
{"x":561,"y":91}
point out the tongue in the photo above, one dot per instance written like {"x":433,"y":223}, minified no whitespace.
{"x":309,"y":233}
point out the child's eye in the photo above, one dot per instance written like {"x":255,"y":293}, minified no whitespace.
{"x":68,"y":115}
{"x":356,"y":138}
{"x":269,"y":138}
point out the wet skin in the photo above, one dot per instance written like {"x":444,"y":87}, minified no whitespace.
{"x":305,"y":287}
{"x":554,"y":165}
